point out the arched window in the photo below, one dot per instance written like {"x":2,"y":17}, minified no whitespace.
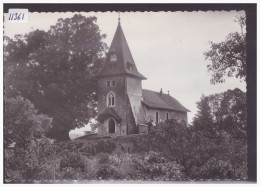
{"x":111,"y":125}
{"x":111,"y":101}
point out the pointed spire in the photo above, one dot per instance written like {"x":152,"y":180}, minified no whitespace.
{"x":118,"y":17}
{"x":119,"y":59}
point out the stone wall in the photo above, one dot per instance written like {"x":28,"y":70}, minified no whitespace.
{"x":143,"y":129}
{"x":120,"y":102}
{"x":151,"y":114}
{"x":126,"y":89}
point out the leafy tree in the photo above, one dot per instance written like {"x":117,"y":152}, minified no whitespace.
{"x":22,"y":123}
{"x":223,"y":111}
{"x":172,"y":139}
{"x":55,"y":70}
{"x":226,"y":135}
{"x":228,"y":58}
{"x":26,"y":148}
{"x":234,"y":107}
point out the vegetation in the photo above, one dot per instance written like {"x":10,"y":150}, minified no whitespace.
{"x":213,"y":148}
{"x":55,"y":70}
{"x":228,"y":58}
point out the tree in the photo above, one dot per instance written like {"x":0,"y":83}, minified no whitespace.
{"x":55,"y":70}
{"x":22,"y":123}
{"x":172,"y":139}
{"x":228,"y":134}
{"x":223,"y":111}
{"x":204,"y":118}
{"x":26,"y":147}
{"x":228,"y":58}
{"x":234,"y":112}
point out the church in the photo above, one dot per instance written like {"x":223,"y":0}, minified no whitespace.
{"x":124,"y":107}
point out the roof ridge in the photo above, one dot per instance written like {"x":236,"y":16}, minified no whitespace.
{"x":121,"y":35}
{"x":160,"y":98}
{"x":154,"y":91}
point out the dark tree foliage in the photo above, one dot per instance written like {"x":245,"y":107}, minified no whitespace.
{"x":226,"y":111}
{"x":232,"y":112}
{"x":25,"y":145}
{"x":214,"y":147}
{"x":55,"y":70}
{"x":228,"y":58}
{"x":204,"y":118}
{"x":172,"y":137}
{"x":23,"y":123}
{"x":201,"y":156}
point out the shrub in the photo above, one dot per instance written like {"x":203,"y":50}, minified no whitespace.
{"x":72,"y":160}
{"x":156,"y":167}
{"x":215,"y":169}
{"x":103,"y":158}
{"x":106,"y":171}
{"x":105,"y":168}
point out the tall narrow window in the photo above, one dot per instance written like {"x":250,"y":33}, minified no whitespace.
{"x":167,"y":116}
{"x":108,"y":83}
{"x":113,"y":83}
{"x":157,"y":117}
{"x":111,"y":100}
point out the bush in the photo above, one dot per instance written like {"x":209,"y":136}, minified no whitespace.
{"x":105,"y":168}
{"x":103,"y":158}
{"x":71,"y":160}
{"x":106,"y":172}
{"x":215,"y":169}
{"x":156,"y":167}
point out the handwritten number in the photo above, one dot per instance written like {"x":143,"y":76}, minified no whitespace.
{"x":16,"y":16}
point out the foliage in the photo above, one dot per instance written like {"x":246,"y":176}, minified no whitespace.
{"x":204,"y":117}
{"x":156,"y":167}
{"x":224,"y":111}
{"x":26,"y":147}
{"x":72,"y":166}
{"x":72,"y":160}
{"x":33,"y":163}
{"x":55,"y":70}
{"x":23,"y":123}
{"x":171,"y":137}
{"x":213,"y":148}
{"x":228,"y":58}
{"x":132,"y":144}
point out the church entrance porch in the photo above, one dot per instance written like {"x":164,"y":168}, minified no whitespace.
{"x":109,"y":123}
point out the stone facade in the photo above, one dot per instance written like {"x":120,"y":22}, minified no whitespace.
{"x":162,"y":115}
{"x":120,"y":103}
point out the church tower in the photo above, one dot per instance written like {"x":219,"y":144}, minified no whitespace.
{"x":119,"y":90}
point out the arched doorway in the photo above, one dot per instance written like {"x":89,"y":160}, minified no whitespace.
{"x":111,"y":125}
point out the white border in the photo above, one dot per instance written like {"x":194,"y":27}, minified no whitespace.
{"x":113,"y":1}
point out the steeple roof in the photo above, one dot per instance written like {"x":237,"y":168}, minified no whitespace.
{"x":119,"y":60}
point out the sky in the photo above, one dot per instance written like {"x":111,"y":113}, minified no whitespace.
{"x":167,"y":47}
